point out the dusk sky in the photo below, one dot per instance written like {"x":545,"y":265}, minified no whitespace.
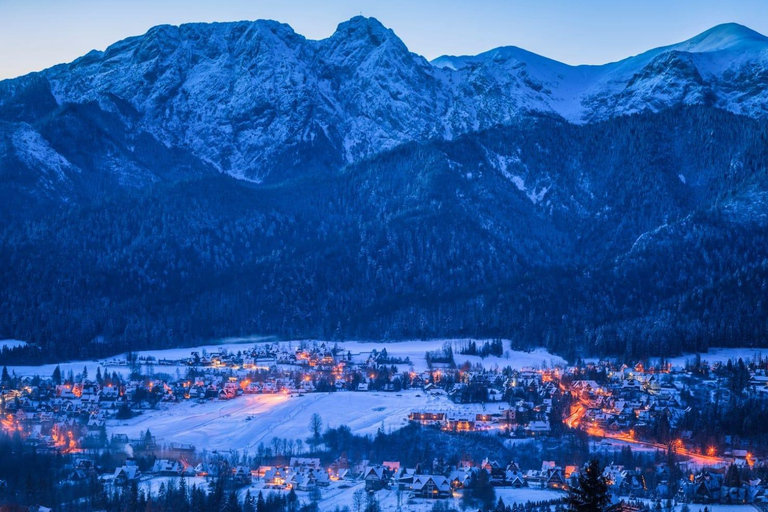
{"x":35,"y":34}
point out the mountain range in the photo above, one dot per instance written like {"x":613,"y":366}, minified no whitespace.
{"x":236,"y":178}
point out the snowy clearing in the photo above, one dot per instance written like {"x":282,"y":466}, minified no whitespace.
{"x":415,"y":350}
{"x":11,"y":344}
{"x":218,"y":425}
{"x":719,"y":355}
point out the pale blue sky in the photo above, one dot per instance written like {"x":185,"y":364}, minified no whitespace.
{"x":35,"y":34}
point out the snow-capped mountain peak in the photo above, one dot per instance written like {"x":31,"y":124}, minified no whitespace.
{"x":253,"y":97}
{"x":728,"y":36}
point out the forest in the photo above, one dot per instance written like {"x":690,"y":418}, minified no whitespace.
{"x":641,"y":235}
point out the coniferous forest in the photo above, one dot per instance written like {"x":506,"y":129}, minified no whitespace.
{"x":634,"y":236}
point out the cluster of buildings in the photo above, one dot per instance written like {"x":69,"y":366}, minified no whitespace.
{"x":306,"y":474}
{"x":647,"y":406}
{"x":629,"y":404}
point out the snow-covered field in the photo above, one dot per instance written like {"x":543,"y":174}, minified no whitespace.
{"x":224,"y":425}
{"x":720,"y":355}
{"x":415,"y":350}
{"x":11,"y":344}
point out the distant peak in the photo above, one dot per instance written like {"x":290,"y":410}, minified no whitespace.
{"x":361,"y":27}
{"x":496,"y":55}
{"x":733,"y":29}
{"x":362,"y":22}
{"x":723,"y":37}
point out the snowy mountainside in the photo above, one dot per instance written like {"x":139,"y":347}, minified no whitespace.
{"x":614,"y":237}
{"x":726,"y":66}
{"x":259,"y":102}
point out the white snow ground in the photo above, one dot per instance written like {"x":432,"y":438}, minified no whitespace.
{"x":415,"y":350}
{"x":218,"y":425}
{"x":720,"y":355}
{"x":11,"y":343}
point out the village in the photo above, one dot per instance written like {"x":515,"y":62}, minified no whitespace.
{"x":139,"y":410}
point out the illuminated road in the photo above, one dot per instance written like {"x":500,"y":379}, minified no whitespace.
{"x":579,"y":410}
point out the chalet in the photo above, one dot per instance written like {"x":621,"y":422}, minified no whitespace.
{"x":495,"y":395}
{"x":508,"y":417}
{"x":241,"y":475}
{"x":460,"y":478}
{"x":632,"y":484}
{"x":535,"y":479}
{"x":514,"y":478}
{"x":431,"y":486}
{"x":275,"y":477}
{"x":496,"y":472}
{"x":706,"y":488}
{"x":252,"y":388}
{"x":622,"y":506}
{"x":124,"y":475}
{"x":305,"y":462}
{"x":376,"y":478}
{"x":556,"y":479}
{"x":403,"y":478}
{"x":167,"y":467}
{"x":537,"y":427}
{"x":96,"y":423}
{"x":226,"y":394}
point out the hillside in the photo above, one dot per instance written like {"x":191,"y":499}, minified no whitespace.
{"x":620,"y":237}
{"x":261,"y":103}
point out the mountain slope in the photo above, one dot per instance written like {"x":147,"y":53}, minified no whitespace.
{"x":261,"y":103}
{"x":614,"y":237}
{"x":726,"y":66}
{"x":220,"y":179}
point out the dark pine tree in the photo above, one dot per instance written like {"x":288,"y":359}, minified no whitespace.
{"x":591,"y":493}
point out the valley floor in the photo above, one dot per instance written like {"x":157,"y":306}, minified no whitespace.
{"x":216,"y":425}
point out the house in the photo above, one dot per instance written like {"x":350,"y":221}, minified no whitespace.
{"x":556,"y":478}
{"x":167,"y":467}
{"x":621,"y":506}
{"x":515,"y":478}
{"x":275,"y":477}
{"x":431,"y":486}
{"x":706,"y":488}
{"x":375,"y":478}
{"x":124,"y":475}
{"x":305,"y":462}
{"x":426,"y":417}
{"x":461,"y":477}
{"x":535,"y":479}
{"x":508,"y":417}
{"x":242,"y":475}
{"x":537,"y":427}
{"x":496,"y":472}
{"x":403,"y":478}
{"x":632,"y":483}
